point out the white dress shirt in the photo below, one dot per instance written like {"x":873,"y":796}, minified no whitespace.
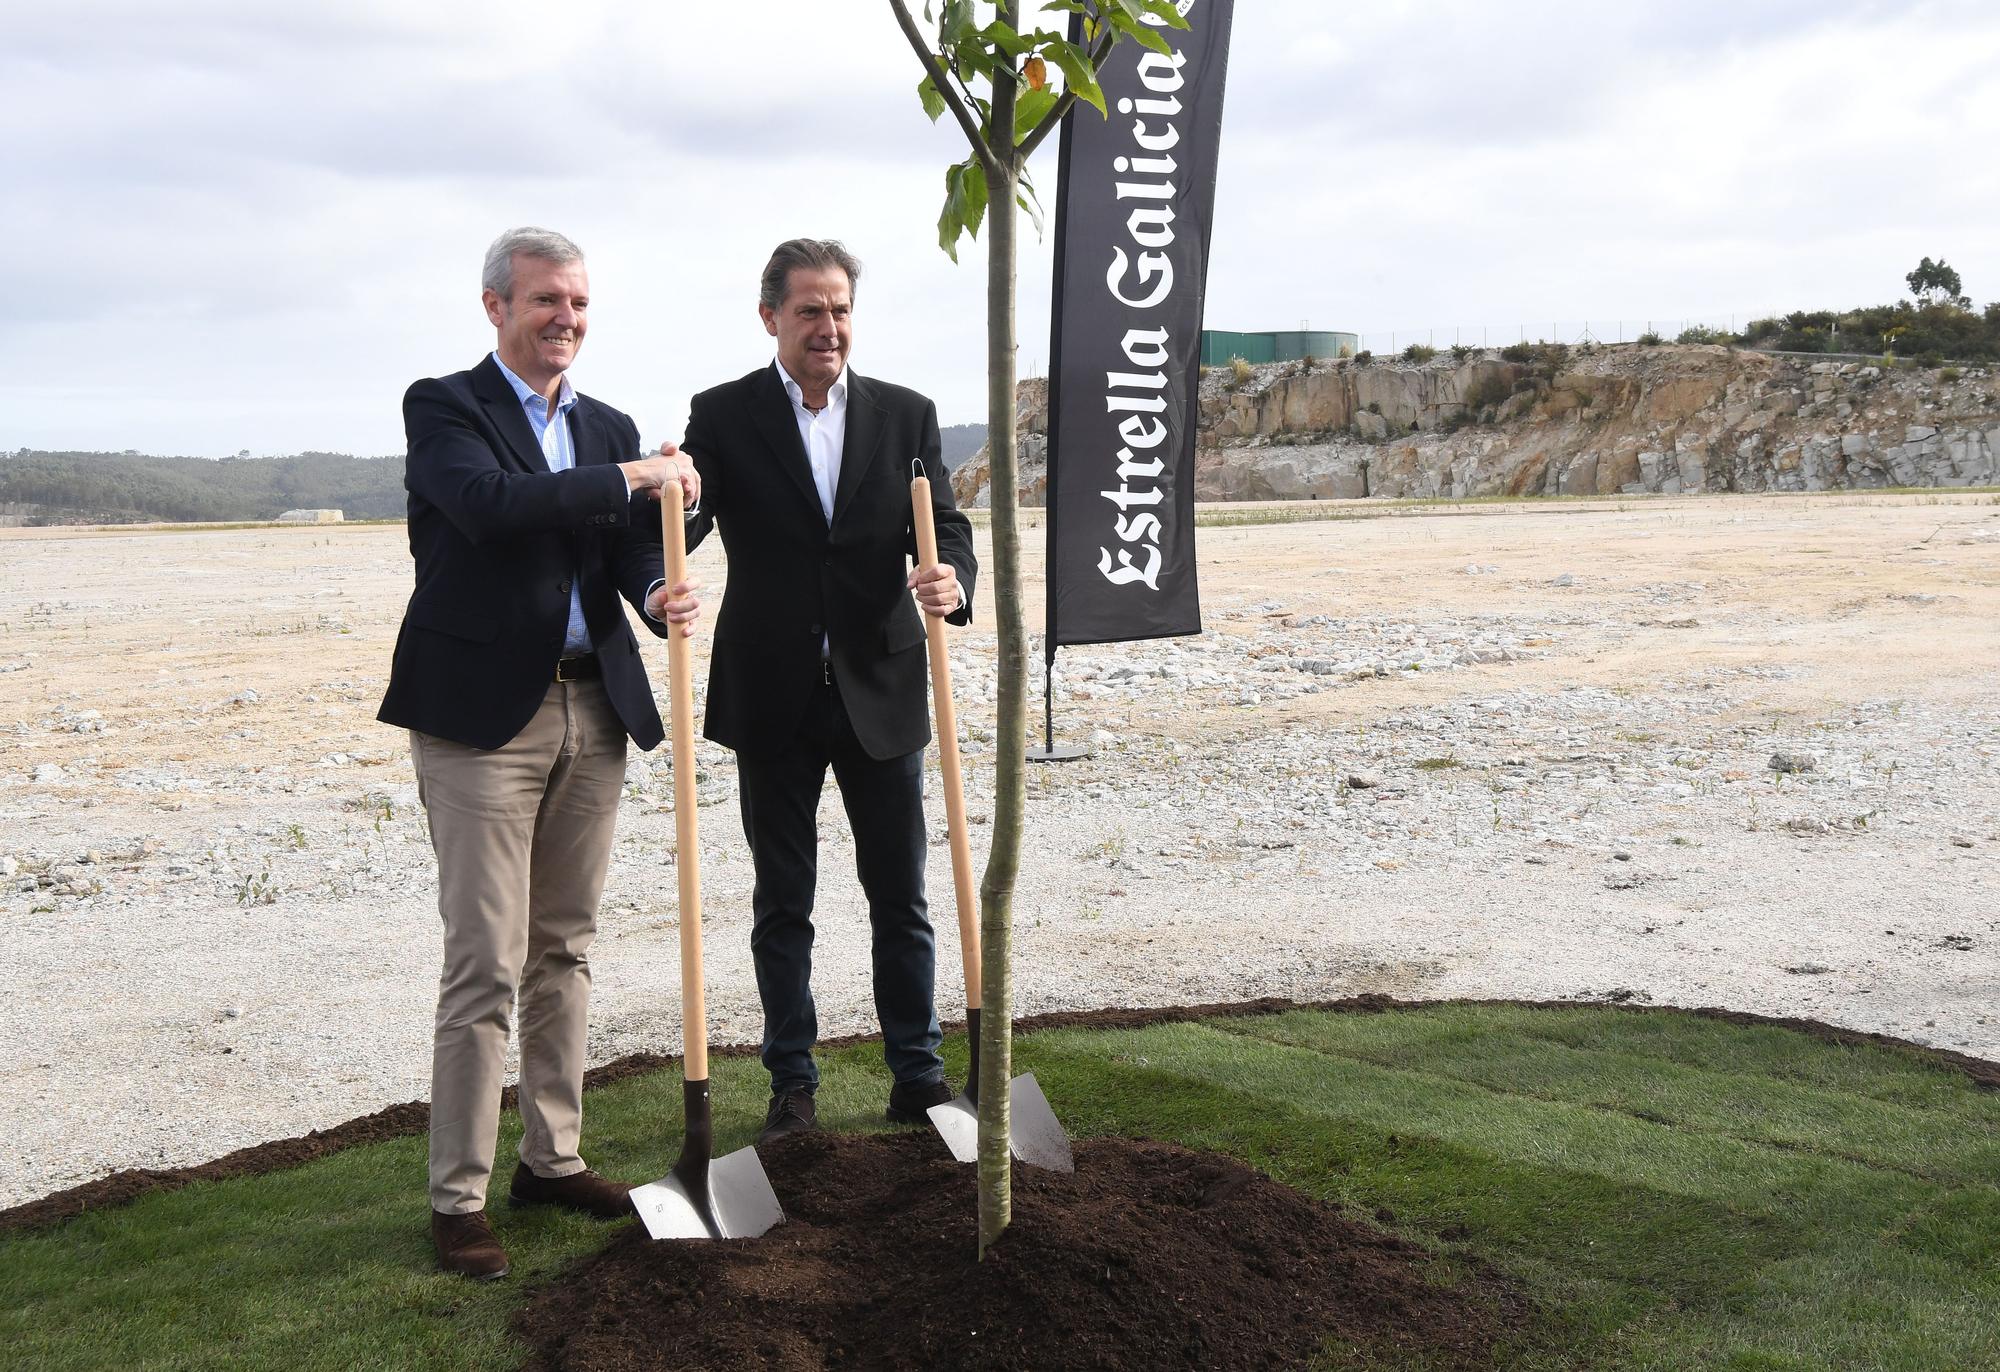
{"x":823,"y":434}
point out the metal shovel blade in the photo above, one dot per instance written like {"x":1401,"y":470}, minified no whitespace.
{"x":1035,"y":1137}
{"x":723,"y":1198}
{"x":957,"y":1123}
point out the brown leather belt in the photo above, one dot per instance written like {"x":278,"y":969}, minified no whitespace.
{"x":580,"y":668}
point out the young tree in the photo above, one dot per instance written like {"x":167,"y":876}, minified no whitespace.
{"x":1934,"y":283}
{"x":1019,"y":107}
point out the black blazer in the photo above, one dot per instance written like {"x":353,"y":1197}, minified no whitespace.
{"x":497,"y":537}
{"x":793,"y":579}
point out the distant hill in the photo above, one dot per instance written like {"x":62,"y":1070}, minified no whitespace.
{"x":129,"y":488}
{"x":135,"y":488}
{"x":960,"y":442}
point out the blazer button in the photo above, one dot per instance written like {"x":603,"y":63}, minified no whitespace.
{"x":815,"y":629}
{"x":564,"y":587}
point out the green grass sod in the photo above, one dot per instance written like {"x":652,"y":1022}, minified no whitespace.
{"x":1673,"y":1192}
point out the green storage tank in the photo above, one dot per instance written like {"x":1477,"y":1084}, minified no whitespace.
{"x":1284,"y":345}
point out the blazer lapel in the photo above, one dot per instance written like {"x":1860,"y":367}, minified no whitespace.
{"x":771,"y":410}
{"x":503,"y":407}
{"x":587,"y":439}
{"x":864,"y":436}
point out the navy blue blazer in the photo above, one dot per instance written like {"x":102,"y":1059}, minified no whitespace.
{"x":497,"y":538}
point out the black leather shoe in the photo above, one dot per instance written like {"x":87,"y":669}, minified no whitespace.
{"x":791,"y":1112}
{"x":910,"y":1102}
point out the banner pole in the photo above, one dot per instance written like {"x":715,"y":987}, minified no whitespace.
{"x":1048,"y":752}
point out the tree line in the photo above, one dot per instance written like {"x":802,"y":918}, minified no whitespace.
{"x":132,"y":488}
{"x":1938,"y":324}
{"x":129,"y":487}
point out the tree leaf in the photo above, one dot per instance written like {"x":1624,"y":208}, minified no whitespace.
{"x":950,"y":224}
{"x":974,"y":57}
{"x":958,"y":23}
{"x":1037,"y":72}
{"x":1029,"y":110}
{"x":1078,"y":73}
{"x":1029,"y":201}
{"x":1168,"y":12}
{"x":972,"y":195}
{"x":927,"y":92}
{"x":1145,"y":35}
{"x":999,"y":35}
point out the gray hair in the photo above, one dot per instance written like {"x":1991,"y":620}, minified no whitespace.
{"x":497,"y":275}
{"x":814,"y":254}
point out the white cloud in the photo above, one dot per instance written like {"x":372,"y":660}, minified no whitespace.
{"x":253,"y":225}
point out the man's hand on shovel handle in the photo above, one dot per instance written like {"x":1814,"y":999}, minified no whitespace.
{"x":676,"y":604}
{"x":937,"y":589}
{"x":646,"y":475}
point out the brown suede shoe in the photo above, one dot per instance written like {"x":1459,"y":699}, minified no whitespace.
{"x":585,"y":1191}
{"x":465,"y":1245}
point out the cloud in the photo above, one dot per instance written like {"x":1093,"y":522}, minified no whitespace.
{"x":253,"y":225}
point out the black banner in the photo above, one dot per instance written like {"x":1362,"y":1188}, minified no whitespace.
{"x":1135,"y":199}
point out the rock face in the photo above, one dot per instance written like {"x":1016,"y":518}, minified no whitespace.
{"x":1597,"y":421}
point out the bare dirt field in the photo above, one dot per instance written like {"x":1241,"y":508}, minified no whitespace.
{"x":1734,"y":751}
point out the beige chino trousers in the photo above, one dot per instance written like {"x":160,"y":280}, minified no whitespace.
{"x":523,"y":839}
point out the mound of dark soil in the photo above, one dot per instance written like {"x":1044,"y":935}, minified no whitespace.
{"x":1149,"y":1257}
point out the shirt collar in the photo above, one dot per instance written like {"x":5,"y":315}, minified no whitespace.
{"x":528,"y":395}
{"x":836,"y":394}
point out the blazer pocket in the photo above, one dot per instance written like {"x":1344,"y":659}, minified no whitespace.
{"x":904,"y":632}
{"x":473,"y":628}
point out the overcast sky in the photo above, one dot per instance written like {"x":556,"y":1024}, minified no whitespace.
{"x":239,"y":225}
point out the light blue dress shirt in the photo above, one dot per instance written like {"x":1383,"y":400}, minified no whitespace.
{"x":552,"y":432}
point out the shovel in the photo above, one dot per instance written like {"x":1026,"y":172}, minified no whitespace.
{"x":1034,"y":1135}
{"x":728,"y":1197}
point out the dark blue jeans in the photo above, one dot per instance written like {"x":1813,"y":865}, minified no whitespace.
{"x":780,"y":793}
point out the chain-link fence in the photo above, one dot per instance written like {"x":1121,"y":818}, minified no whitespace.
{"x":1387,"y":342}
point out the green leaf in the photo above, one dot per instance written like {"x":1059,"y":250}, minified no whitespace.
{"x":1078,"y":73}
{"x":974,"y":58}
{"x":1145,"y":35}
{"x":1029,"y":111}
{"x":927,"y":92}
{"x":958,"y":23}
{"x":1029,"y":201}
{"x":998,"y":35}
{"x":950,"y":224}
{"x":1166,"y":11}
{"x":1069,"y":6}
{"x":972,"y":195}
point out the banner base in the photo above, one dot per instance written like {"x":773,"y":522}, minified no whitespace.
{"x":1050,"y":753}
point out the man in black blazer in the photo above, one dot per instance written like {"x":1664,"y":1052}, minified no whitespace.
{"x":516,"y":672}
{"x":819,"y":661}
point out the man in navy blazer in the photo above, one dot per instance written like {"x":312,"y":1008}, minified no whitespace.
{"x":818,"y":659}
{"x":531,"y":512}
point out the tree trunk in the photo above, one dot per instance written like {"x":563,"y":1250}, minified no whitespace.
{"x":1003,"y":860}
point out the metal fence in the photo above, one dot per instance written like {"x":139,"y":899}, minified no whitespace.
{"x":1386,"y":342}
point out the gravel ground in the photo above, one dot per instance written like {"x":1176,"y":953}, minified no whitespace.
{"x":1705,"y":751}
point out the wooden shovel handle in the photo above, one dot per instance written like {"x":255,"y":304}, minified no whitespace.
{"x":947,"y":732}
{"x":687,"y":843}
